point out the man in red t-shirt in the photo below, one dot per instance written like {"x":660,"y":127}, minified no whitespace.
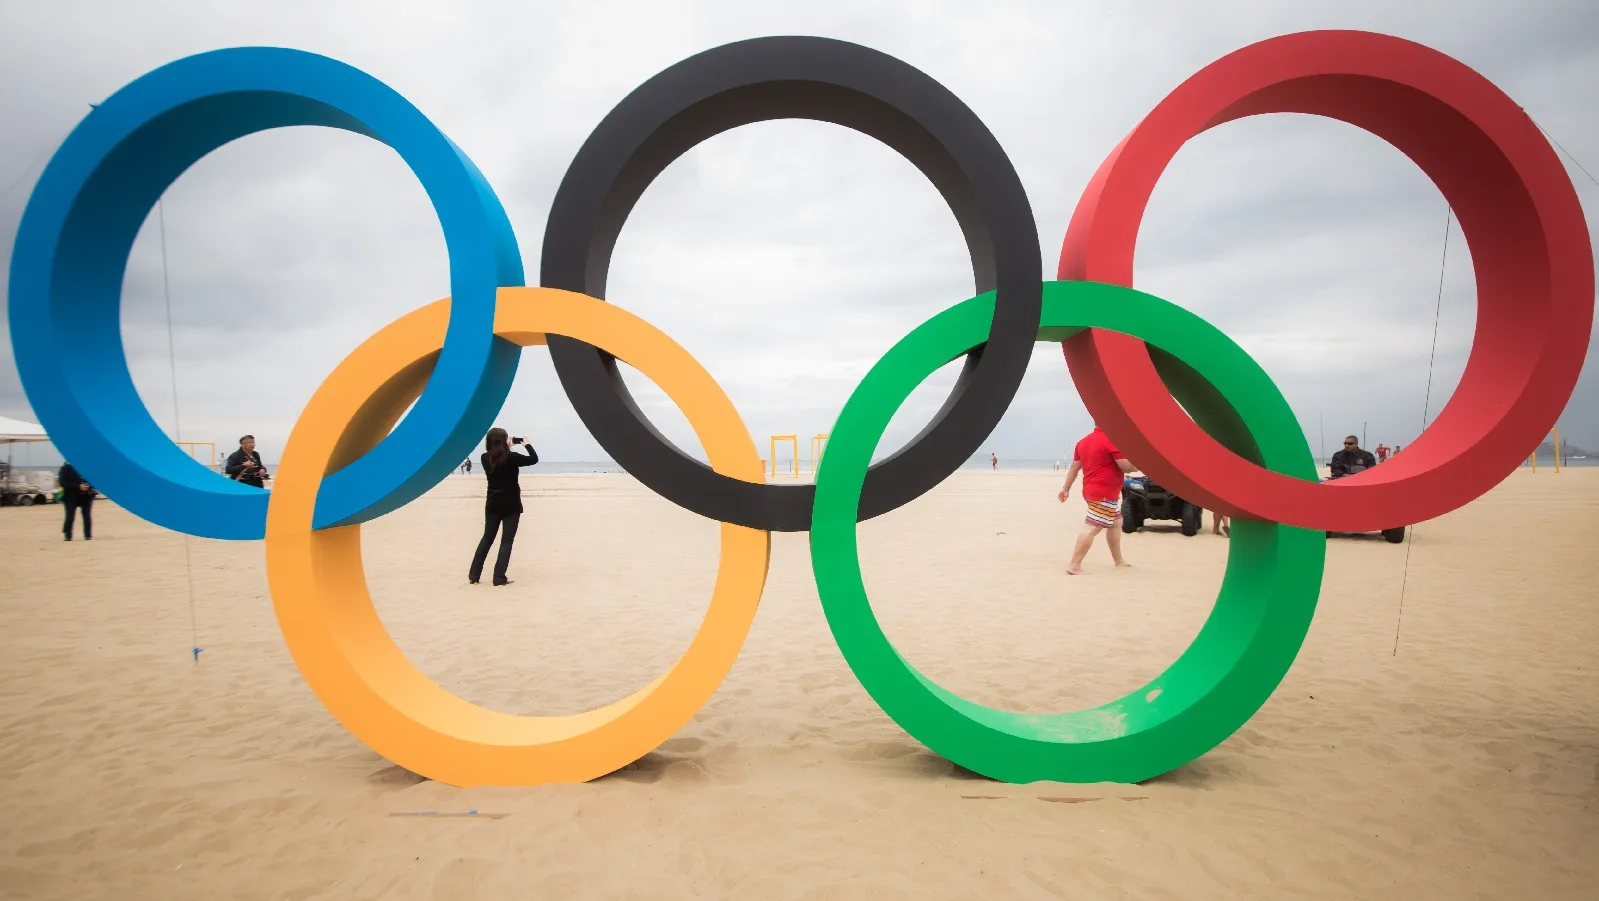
{"x":1102,"y":466}
{"x":1382,"y":452}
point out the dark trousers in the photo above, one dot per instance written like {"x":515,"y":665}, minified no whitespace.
{"x":495,"y":521}
{"x":75,"y":501}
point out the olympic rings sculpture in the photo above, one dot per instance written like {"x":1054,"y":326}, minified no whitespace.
{"x":1135,"y":358}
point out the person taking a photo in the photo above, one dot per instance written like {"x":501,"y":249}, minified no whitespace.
{"x":502,"y":505}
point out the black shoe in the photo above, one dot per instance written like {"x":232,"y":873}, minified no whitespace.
{"x":503,"y":581}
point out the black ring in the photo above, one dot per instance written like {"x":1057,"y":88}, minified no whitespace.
{"x":796,"y":78}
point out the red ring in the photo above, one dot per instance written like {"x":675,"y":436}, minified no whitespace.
{"x":1516,"y":206}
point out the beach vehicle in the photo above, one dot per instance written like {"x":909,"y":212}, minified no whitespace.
{"x":20,"y":488}
{"x":18,"y":492}
{"x":1143,"y":499}
{"x":1395,"y":535}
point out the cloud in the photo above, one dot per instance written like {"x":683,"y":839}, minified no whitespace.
{"x":788,"y":256}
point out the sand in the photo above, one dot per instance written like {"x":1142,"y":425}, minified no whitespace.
{"x":1465,"y":766}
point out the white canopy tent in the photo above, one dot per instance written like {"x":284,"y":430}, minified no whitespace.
{"x":15,"y":430}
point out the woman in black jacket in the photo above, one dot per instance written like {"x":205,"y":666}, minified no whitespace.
{"x":76,"y":495}
{"x":502,"y":508}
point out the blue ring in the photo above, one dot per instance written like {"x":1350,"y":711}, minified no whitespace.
{"x":72,"y":248}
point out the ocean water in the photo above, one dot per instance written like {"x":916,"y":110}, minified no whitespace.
{"x":1018,"y":464}
{"x":565,"y":466}
{"x":786,"y":466}
{"x":783,"y":466}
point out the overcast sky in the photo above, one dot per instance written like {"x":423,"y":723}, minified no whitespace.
{"x":788,"y":256}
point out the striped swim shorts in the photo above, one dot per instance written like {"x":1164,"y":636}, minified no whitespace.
{"x":1103,"y":513}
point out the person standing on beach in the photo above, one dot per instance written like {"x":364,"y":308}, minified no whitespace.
{"x":994,"y":461}
{"x":77,"y":496}
{"x":244,"y":464}
{"x":1102,"y":467}
{"x":1382,"y":452}
{"x":502,"y":507}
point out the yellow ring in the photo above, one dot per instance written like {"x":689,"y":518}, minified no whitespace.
{"x":319,"y":589}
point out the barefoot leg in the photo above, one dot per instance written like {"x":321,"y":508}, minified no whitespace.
{"x":1085,"y":540}
{"x":1113,"y":538}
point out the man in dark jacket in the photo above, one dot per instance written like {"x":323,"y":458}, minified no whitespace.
{"x":76,"y":495}
{"x":244,"y":464}
{"x":1351,"y":459}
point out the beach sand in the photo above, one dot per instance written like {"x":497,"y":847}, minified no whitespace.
{"x":1465,"y":766}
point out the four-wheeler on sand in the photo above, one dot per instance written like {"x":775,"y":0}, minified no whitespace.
{"x":1395,"y":535}
{"x":1143,"y":499}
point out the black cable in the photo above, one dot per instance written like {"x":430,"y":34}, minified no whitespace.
{"x":1426,"y":404}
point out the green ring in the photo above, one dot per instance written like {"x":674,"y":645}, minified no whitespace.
{"x":1246,"y":646}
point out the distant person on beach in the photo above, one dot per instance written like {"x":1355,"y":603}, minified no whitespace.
{"x":77,"y":496}
{"x":1102,"y":466}
{"x":502,"y":507}
{"x":466,"y":467}
{"x":1382,"y":452}
{"x":1344,"y":462}
{"x":1396,"y":449}
{"x":244,"y":464}
{"x":995,"y":461}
